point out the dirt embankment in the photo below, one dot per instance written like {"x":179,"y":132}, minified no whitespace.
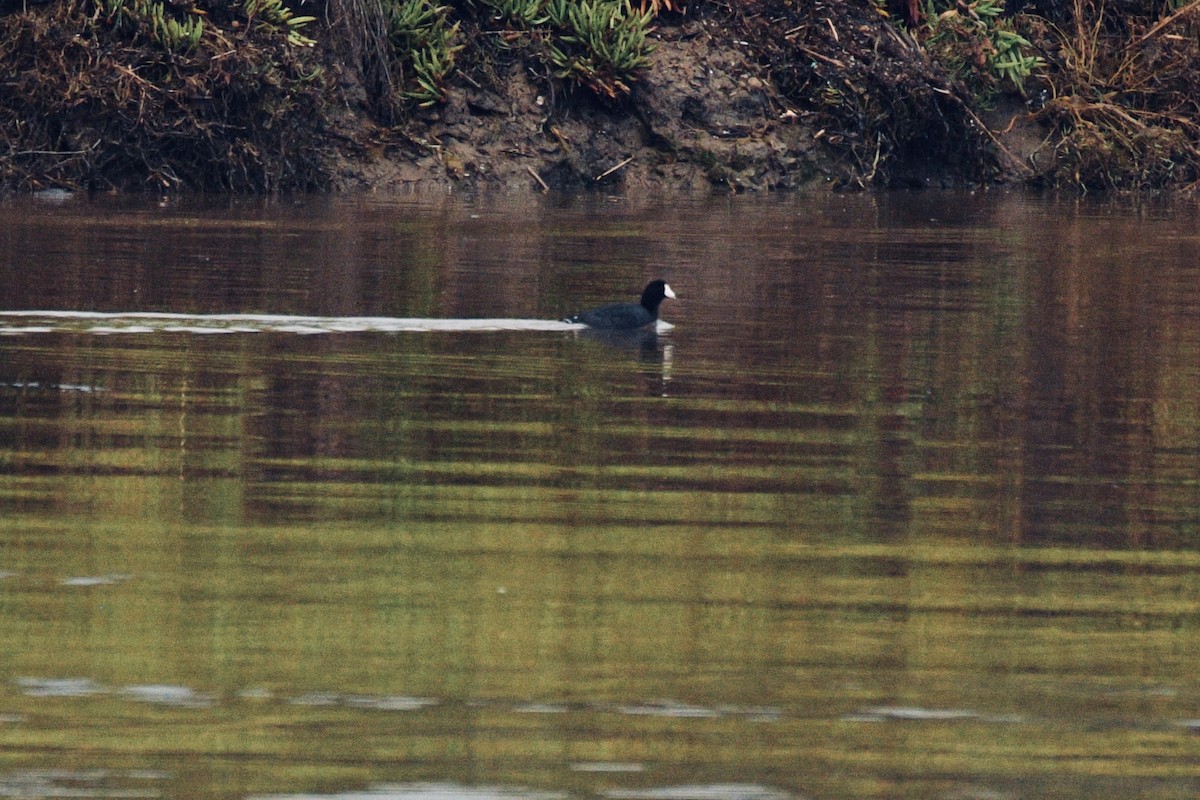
{"x":750,"y":95}
{"x":701,"y":114}
{"x":734,"y":97}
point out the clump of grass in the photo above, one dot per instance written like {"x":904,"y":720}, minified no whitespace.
{"x":523,"y":13}
{"x":600,"y":44}
{"x":138,"y":93}
{"x":978,"y":45}
{"x":276,"y":13}
{"x":890,"y":113}
{"x":1121,"y":98}
{"x":174,"y":33}
{"x":408,"y":49}
{"x":423,"y":48}
{"x":658,"y":6}
{"x":179,"y":29}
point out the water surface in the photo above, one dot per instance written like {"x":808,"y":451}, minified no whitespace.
{"x":904,"y":503}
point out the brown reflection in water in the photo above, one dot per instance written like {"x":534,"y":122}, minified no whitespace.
{"x":806,"y":540}
{"x":1109,"y":332}
{"x":1033,"y":363}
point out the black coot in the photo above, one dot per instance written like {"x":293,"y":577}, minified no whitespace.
{"x":627,"y":316}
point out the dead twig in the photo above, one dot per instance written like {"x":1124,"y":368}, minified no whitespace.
{"x":538,"y":178}
{"x":613,"y":169}
{"x":819,"y":57}
{"x":1164,"y":22}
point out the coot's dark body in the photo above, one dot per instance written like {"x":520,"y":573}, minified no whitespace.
{"x":627,"y":316}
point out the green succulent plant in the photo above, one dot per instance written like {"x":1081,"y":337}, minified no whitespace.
{"x":422,"y":40}
{"x":597,"y":43}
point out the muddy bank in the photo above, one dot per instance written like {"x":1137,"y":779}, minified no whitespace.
{"x":720,"y":103}
{"x":749,"y":96}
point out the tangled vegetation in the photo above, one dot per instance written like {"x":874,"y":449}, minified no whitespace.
{"x":256,"y":95}
{"x":890,"y":112}
{"x":128,"y":93}
{"x":1113,"y":88}
{"x":599,"y":44}
{"x":175,"y":34}
{"x":422,"y":40}
{"x":978,"y":44}
{"x":1115,"y":85}
{"x":231,"y":94}
{"x":1122,"y":101}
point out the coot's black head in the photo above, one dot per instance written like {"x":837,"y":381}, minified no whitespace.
{"x":653,"y":294}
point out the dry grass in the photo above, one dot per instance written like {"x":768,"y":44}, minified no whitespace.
{"x":88,"y":105}
{"x":1122,"y":98}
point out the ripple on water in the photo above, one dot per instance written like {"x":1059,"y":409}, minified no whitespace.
{"x":541,"y":708}
{"x":714,"y":791}
{"x":160,"y":694}
{"x":33,"y":783}
{"x":96,"y":580}
{"x":391,"y":702}
{"x":108,"y":323}
{"x":911,"y":713}
{"x":378,"y":703}
{"x":59,"y":687}
{"x":669,"y":708}
{"x":426,"y":791}
{"x":607,"y":766}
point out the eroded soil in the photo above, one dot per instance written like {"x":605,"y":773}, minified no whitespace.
{"x":753,"y":95}
{"x":731,"y":99}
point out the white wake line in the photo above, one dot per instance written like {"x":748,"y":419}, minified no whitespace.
{"x":97,"y":322}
